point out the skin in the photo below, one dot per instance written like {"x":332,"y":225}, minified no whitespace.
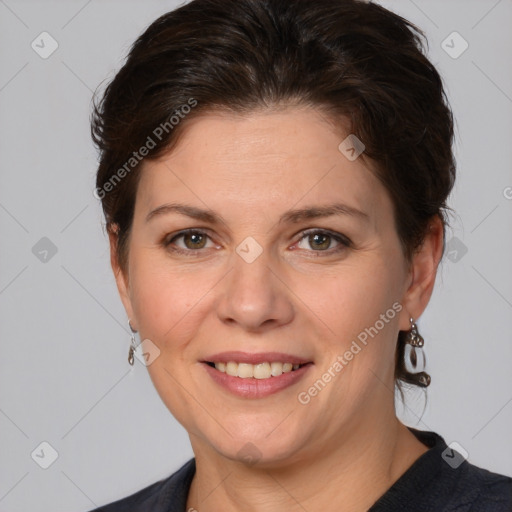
{"x":346,"y":445}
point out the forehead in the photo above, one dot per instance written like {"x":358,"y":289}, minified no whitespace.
{"x":270,"y":159}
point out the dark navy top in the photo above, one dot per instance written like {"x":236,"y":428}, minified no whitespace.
{"x":440,"y":480}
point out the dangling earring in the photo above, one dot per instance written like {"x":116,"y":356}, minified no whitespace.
{"x":131,"y":352}
{"x":414,"y":355}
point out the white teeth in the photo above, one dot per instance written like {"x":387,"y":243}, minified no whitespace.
{"x":245,"y":370}
{"x":232,"y":369}
{"x":257,"y":371}
{"x":262,"y":371}
{"x":276,"y":369}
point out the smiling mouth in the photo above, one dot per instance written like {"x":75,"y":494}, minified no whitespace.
{"x":264,"y":370}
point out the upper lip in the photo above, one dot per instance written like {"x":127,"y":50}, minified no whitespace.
{"x":256,"y":358}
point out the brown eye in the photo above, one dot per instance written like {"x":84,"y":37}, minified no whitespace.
{"x":323,"y":241}
{"x":188,"y":241}
{"x":319,"y":241}
{"x":194,"y":240}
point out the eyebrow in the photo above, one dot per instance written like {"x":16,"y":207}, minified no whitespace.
{"x":292,"y":216}
{"x":189,"y":211}
{"x":315,"y":212}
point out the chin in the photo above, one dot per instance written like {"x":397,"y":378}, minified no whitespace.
{"x":260,"y":450}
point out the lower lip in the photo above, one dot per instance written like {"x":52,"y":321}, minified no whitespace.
{"x":256,"y":388}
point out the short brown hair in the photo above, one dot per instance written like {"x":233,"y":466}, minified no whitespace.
{"x":352,"y":59}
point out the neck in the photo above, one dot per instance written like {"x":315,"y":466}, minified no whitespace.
{"x":355,"y":472}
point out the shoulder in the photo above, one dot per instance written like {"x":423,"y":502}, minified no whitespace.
{"x":461,"y":485}
{"x":478,"y":489}
{"x":442,"y":480}
{"x":157,"y":497}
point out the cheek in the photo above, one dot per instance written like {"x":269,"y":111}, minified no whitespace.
{"x":168,"y":302}
{"x":356,"y":305}
{"x":352,"y":298}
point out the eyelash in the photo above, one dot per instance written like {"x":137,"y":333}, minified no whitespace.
{"x":341,"y":239}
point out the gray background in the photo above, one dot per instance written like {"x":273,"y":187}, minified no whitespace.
{"x":64,"y":376}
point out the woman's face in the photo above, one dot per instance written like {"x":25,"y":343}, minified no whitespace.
{"x":293,"y":258}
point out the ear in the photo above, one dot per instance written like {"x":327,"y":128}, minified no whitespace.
{"x":422,"y":274}
{"x":122,"y":278}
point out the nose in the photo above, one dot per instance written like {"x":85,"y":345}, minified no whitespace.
{"x":255,"y":296}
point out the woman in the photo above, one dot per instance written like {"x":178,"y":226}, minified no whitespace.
{"x":274,"y":178}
